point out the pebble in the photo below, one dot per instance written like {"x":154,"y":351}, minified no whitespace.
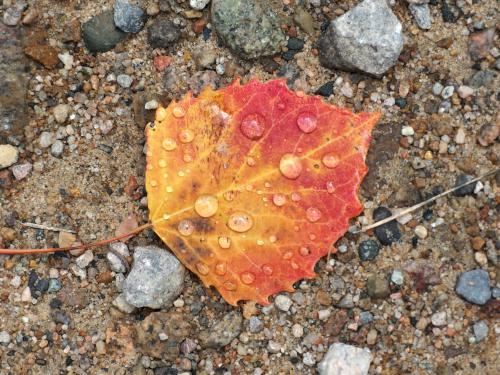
{"x":438,"y":319}
{"x":465,"y":91}
{"x":84,"y":260}
{"x":407,"y":131}
{"x":46,"y":139}
{"x":26,"y":295}
{"x":422,"y":15}
{"x":12,"y":15}
{"x":377,"y":287}
{"x":67,"y":59}
{"x":8,"y":155}
{"x":474,"y":286}
{"x":343,"y":359}
{"x":163,"y":33}
{"x":480,"y":78}
{"x":397,"y":277}
{"x":127,"y":17}
{"x":304,"y":20}
{"x":495,"y":293}
{"x":16,"y":281}
{"x":4,"y":338}
{"x":437,"y":88}
{"x":248,"y":27}
{"x":223,"y":331}
{"x":371,"y":337}
{"x":30,"y":16}
{"x":389,"y":232}
{"x":156,"y":278}
{"x":480,"y":44}
{"x":368,"y":38}
{"x":421,"y":231}
{"x":368,"y":250}
{"x":283,"y":302}
{"x":460,"y":136}
{"x":61,"y":112}
{"x":297,"y":330}
{"x":54,"y":286}
{"x":57,"y":148}
{"x":100,"y":33}
{"x":480,"y":330}
{"x":273,"y":346}
{"x":365,"y":317}
{"x":20,"y":171}
{"x":481,"y":258}
{"x":121,"y":304}
{"x":326,"y":89}
{"x":115,"y":263}
{"x":465,"y":190}
{"x":255,"y":324}
{"x":447,"y":92}
{"x":152,"y":104}
{"x":65,"y":239}
{"x":198,"y":4}
{"x":124,"y":80}
{"x":488,"y":133}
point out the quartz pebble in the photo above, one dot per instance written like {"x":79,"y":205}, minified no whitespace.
{"x":8,"y":155}
{"x":198,"y":4}
{"x":438,"y":319}
{"x":124,"y":80}
{"x":283,"y":302}
{"x":480,"y":331}
{"x":421,"y":231}
{"x":343,"y":359}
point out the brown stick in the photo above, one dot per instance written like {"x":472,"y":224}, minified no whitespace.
{"x":79,"y":247}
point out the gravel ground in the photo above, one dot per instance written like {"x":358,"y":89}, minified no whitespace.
{"x":417,"y":296}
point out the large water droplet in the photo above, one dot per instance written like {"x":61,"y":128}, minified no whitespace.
{"x":279,"y":199}
{"x":307,"y":122}
{"x":253,"y":126}
{"x":221,"y":268}
{"x":154,"y":183}
{"x":229,"y":285}
{"x":313,"y":214}
{"x":169,"y":144}
{"x":288,"y":255}
{"x":304,"y":251}
{"x":161,"y":113}
{"x":240,"y":222}
{"x":178,"y":112}
{"x":202,"y":268}
{"x":224,"y":242}
{"x":162,"y":163}
{"x":206,"y":205}
{"x":330,"y":160}
{"x":186,"y":136}
{"x":247,"y":278}
{"x":330,"y":187}
{"x":290,"y":166}
{"x":188,"y":158}
{"x":185,"y":227}
{"x":267,"y":269}
{"x":296,"y":197}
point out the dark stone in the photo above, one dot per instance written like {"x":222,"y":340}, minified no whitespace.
{"x":480,"y":78}
{"x":163,"y":33}
{"x":288,"y":55}
{"x":295,"y":44}
{"x":129,"y":18}
{"x":368,"y":250}
{"x":449,"y":12}
{"x":400,"y":102}
{"x":326,"y":89}
{"x":100,"y":33}
{"x":427,"y":214}
{"x":42,"y":285}
{"x":466,"y":190}
{"x":60,"y":317}
{"x":388,"y":232}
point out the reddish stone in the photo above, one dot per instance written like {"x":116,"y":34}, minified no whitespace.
{"x":199,"y":25}
{"x":162,"y":62}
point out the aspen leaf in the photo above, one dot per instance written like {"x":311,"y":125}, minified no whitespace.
{"x":251,"y":184}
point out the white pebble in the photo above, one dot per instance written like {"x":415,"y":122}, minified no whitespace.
{"x":407,"y":131}
{"x":421,"y":231}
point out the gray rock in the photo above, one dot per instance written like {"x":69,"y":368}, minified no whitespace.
{"x":4,"y":337}
{"x":156,"y":278}
{"x":121,"y":304}
{"x":377,"y":287}
{"x":100,"y":33}
{"x":422,"y":15}
{"x":57,"y":148}
{"x":46,"y":139}
{"x":163,"y":33}
{"x":495,"y":293}
{"x":368,"y":38}
{"x":20,"y":171}
{"x":124,"y":80}
{"x":474,"y":286}
{"x":465,"y":190}
{"x":438,"y":319}
{"x":198,"y":4}
{"x":248,"y":27}
{"x":342,"y":359}
{"x":255,"y":324}
{"x":480,"y":330}
{"x":8,"y":155}
{"x":283,"y":302}
{"x":365,"y":317}
{"x":346,"y":302}
{"x":480,"y":78}
{"x":12,"y":15}
{"x":223,"y":331}
{"x":397,"y":277}
{"x":129,"y":18}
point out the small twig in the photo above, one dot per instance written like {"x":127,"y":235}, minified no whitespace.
{"x":421,"y":204}
{"x":40,"y":226}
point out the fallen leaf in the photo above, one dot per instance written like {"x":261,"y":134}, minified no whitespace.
{"x":251,"y":184}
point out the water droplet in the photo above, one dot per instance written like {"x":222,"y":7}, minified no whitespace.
{"x":312,"y":236}
{"x":313,"y":214}
{"x":185,"y":227}
{"x":279,"y":199}
{"x":290,"y":166}
{"x":162,"y":163}
{"x":224,"y":242}
{"x":161,"y":113}
{"x":187,"y":158}
{"x":330,"y":160}
{"x":186,"y":136}
{"x":260,"y":242}
{"x":229,"y":285}
{"x":169,"y":144}
{"x":221,"y":269}
{"x":181,"y":174}
{"x":288,"y":255}
{"x":250,"y":161}
{"x":307,"y":122}
{"x":267,"y":269}
{"x":247,"y":277}
{"x":296,"y":197}
{"x":281,"y":106}
{"x":330,"y":187}
{"x":272,"y":239}
{"x":202,"y":268}
{"x":206,"y":205}
{"x":154,"y":183}
{"x":166,"y":217}
{"x":294,"y":265}
{"x":240,"y":222}
{"x":304,"y":251}
{"x":178,"y":112}
{"x":170,"y":189}
{"x":253,"y":126}
{"x":229,"y":195}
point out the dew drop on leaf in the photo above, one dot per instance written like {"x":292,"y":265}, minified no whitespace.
{"x":304,"y":251}
{"x":154,"y":183}
{"x":330,"y":161}
{"x":247,"y":278}
{"x":288,"y":255}
{"x":307,"y":122}
{"x":206,"y":205}
{"x":250,"y":161}
{"x":185,"y":227}
{"x":290,"y":166}
{"x":253,"y":126}
{"x":169,"y":144}
{"x":224,"y":242}
{"x":267,"y":269}
{"x":240,"y":222}
{"x":229,"y":285}
{"x":221,"y":268}
{"x":296,"y":197}
{"x":313,"y":214}
{"x":279,"y":199}
{"x":186,"y":136}
{"x":202,"y":268}
{"x":162,"y":163}
{"x":178,"y":112}
{"x":187,"y":158}
{"x":272,"y":239}
{"x":170,"y":189}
